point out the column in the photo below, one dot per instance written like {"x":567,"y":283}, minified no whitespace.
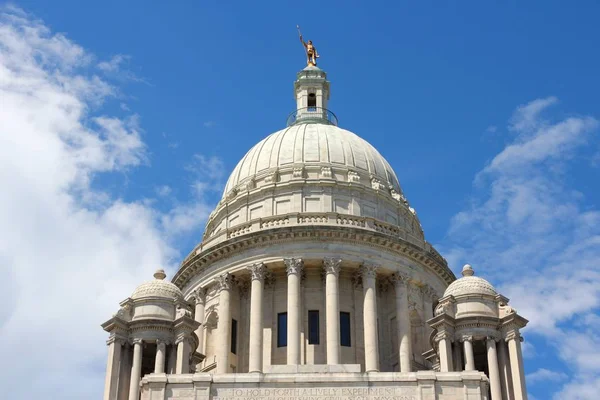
{"x":257,"y":272}
{"x":294,"y":271}
{"x":505,"y":375}
{"x":494,"y":373}
{"x":159,"y":360}
{"x":183,"y":356}
{"x":429,"y":295}
{"x":199,"y":296}
{"x":516,"y":365}
{"x":403,"y":320}
{"x":172,"y":362}
{"x":113,"y":367}
{"x":332,"y":309}
{"x":136,"y":370}
{"x":469,"y":357}
{"x":444,"y":351}
{"x":223,"y":345}
{"x":369,"y":274}
{"x":458,"y":363}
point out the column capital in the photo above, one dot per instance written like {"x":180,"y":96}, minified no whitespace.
{"x":466,"y":338}
{"x":400,"y":280}
{"x":513,"y":335}
{"x":257,"y":271}
{"x":294,"y":266}
{"x":332,"y":265}
{"x":491,"y":339}
{"x":429,"y":292}
{"x":116,"y":339}
{"x":161,"y":343}
{"x":442,"y":336}
{"x":199,"y":295}
{"x":224,"y":281}
{"x":137,"y":341}
{"x":368,"y":270}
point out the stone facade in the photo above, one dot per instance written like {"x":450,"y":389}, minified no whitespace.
{"x":314,"y":281}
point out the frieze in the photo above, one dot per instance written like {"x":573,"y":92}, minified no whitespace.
{"x":351,"y":235}
{"x":316,"y":393}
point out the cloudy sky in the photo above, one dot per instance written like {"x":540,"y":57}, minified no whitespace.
{"x":120,"y":123}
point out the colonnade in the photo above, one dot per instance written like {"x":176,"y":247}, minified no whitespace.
{"x":119,"y":360}
{"x":504,"y":361}
{"x":294,"y":268}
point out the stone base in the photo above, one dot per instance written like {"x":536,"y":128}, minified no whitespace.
{"x":421,"y":385}
{"x":314,"y":369}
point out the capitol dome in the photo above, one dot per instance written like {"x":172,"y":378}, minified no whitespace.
{"x":313,"y":263}
{"x":470,"y":285}
{"x":157,"y":287}
{"x":313,"y":145}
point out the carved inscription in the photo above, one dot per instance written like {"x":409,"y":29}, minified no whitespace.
{"x":346,"y":393}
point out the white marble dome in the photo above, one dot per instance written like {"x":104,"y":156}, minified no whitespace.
{"x":470,"y":284}
{"x":313,"y":145}
{"x":157,"y":288}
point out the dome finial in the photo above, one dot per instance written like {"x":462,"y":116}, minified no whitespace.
{"x":468,"y":270}
{"x":160,"y":274}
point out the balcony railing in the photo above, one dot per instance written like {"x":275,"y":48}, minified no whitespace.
{"x":312,"y":114}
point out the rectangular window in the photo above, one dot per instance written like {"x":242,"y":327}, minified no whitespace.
{"x":313,"y":327}
{"x":345,"y":329}
{"x":282,"y":329}
{"x":234,"y":336}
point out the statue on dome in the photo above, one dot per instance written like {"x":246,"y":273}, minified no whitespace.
{"x":311,"y":50}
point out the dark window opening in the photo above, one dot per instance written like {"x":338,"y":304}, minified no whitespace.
{"x":313,"y":327}
{"x":312,"y":102}
{"x":234,"y":336}
{"x":282,"y":329}
{"x":345,"y":329}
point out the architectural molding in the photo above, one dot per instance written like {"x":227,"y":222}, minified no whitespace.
{"x":257,"y":271}
{"x":332,"y":265}
{"x":224,"y":281}
{"x":369,"y":270}
{"x":293,"y":266}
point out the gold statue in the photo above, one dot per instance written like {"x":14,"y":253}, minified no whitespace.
{"x":311,"y":50}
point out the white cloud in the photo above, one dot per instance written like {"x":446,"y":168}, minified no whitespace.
{"x":209,"y":124}
{"x":532,"y":234}
{"x":544,"y":374}
{"x":68,"y":252}
{"x":163,"y":190}
{"x":114,"y":64}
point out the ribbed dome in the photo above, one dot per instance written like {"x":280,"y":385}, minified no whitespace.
{"x":313,"y":145}
{"x":470,"y":284}
{"x":157,"y":288}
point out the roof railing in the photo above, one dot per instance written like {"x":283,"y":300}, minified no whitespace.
{"x":312,"y":115}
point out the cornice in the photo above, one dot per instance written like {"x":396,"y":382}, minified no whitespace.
{"x":292,"y":234}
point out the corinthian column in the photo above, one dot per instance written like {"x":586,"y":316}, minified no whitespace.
{"x":494,"y":373}
{"x":224,"y":327}
{"x":294,"y":268}
{"x":257,"y":272}
{"x":403,"y":321}
{"x":516,"y":365}
{"x":369,"y":273}
{"x":136,"y":370}
{"x":332,"y":309}
{"x":199,"y":296}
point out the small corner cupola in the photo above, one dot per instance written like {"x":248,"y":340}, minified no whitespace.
{"x":311,"y":91}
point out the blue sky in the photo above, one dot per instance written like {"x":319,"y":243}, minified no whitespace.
{"x":121,"y":122}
